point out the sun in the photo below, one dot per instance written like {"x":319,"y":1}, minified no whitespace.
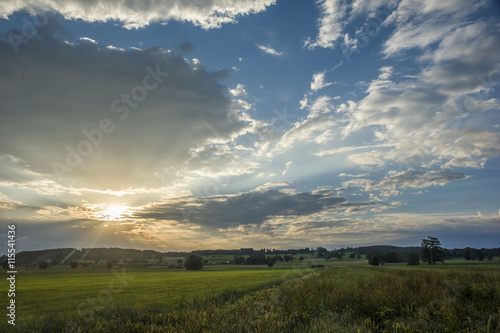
{"x":114,"y":212}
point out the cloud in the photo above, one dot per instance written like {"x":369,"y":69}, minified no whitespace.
{"x":396,"y":182}
{"x":427,"y":117}
{"x":137,"y":14}
{"x":465,"y":60}
{"x":331,"y":24}
{"x":90,"y":40}
{"x":120,"y":119}
{"x":348,"y":149}
{"x":269,"y":50}
{"x":288,"y":166}
{"x":250,"y":208}
{"x":419,"y":179}
{"x":420,"y":24}
{"x":336,"y":15}
{"x":318,"y":81}
{"x":317,"y":127}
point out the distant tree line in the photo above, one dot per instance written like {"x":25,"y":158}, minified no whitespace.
{"x":66,"y":256}
{"x":260,"y":259}
{"x":251,"y":251}
{"x":384,"y":253}
{"x":475,"y":254}
{"x":431,"y":252}
{"x":389,"y":257}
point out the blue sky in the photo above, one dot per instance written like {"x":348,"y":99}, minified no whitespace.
{"x":227,"y":124}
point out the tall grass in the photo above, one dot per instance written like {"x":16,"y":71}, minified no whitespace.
{"x":354,"y":299}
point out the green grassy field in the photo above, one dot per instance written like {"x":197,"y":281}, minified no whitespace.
{"x":66,"y":288}
{"x":345,"y":296}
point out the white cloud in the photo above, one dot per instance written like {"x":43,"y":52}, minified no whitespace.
{"x":465,"y":60}
{"x":420,"y":24}
{"x":337,"y":14}
{"x":367,"y":158}
{"x":269,"y":50}
{"x":239,"y":91}
{"x":331,"y":23}
{"x":88,"y":40}
{"x":396,"y":182}
{"x":317,"y":127}
{"x":426,"y":117}
{"x":417,"y":35}
{"x":288,"y":165}
{"x":348,"y":149}
{"x":318,"y":81}
{"x":137,"y":13}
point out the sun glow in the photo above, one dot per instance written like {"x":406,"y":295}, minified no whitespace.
{"x":114,"y":213}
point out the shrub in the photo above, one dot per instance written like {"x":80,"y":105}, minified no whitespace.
{"x":412,"y":259}
{"x":374,"y":261}
{"x":194,"y":262}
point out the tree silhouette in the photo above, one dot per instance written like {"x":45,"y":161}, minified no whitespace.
{"x":374,"y":261}
{"x":193,"y":262}
{"x":467,"y":253}
{"x":412,"y":259}
{"x":432,"y":251}
{"x":480,"y":255}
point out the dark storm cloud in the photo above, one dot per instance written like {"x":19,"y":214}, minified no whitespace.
{"x":132,"y":117}
{"x":247,"y":208}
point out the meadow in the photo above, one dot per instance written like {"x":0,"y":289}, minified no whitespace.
{"x":345,"y":296}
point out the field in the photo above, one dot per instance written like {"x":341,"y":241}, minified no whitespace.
{"x":345,"y":296}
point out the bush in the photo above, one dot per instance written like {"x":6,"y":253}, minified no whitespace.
{"x":193,"y":262}
{"x":374,"y":261}
{"x":412,"y":259}
{"x":43,"y":265}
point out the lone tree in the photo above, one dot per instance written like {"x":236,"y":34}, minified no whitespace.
{"x":480,"y":255}
{"x":193,"y":262}
{"x":467,"y":253}
{"x":74,"y":264}
{"x":239,"y":260}
{"x":374,"y":261}
{"x":432,"y":251}
{"x":412,"y":259}
{"x":43,"y":265}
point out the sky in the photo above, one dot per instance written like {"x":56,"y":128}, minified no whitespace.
{"x":180,"y":125}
